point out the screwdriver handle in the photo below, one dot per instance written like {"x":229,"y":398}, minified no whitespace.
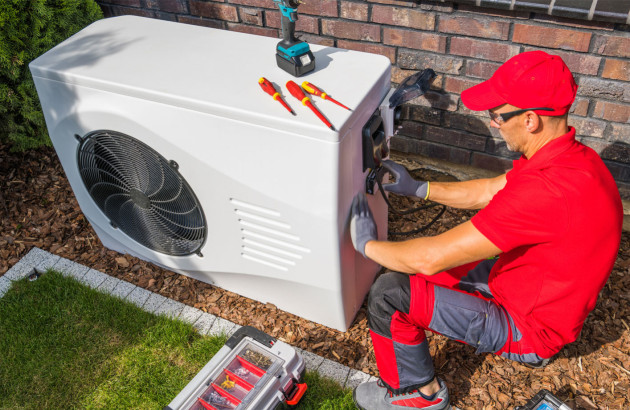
{"x":268,"y":87}
{"x":311,"y":89}
{"x":297,"y":92}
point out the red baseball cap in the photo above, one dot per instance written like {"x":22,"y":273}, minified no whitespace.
{"x":527,"y":80}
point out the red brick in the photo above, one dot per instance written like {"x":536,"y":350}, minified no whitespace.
{"x":442,"y":8}
{"x":405,"y":17}
{"x":128,"y":11}
{"x":259,"y":31}
{"x":578,"y":63}
{"x":394,"y":2}
{"x":580,"y":107}
{"x":456,"y":138}
{"x":616,"y":69}
{"x":305,"y":24}
{"x":613,"y":46}
{"x":481,"y":69}
{"x":399,"y":75}
{"x":418,"y":60}
{"x":354,"y":11}
{"x":457,"y":84}
{"x":327,"y":8}
{"x":591,"y":25}
{"x":201,"y":22}
{"x":389,"y":52}
{"x":128,"y":3}
{"x":612,"y":111}
{"x":485,"y":50}
{"x":551,"y":37}
{"x":272,"y":19}
{"x":313,"y":39}
{"x":588,"y":127}
{"x":213,"y":10}
{"x":268,"y":4}
{"x":352,"y":31}
{"x":251,"y":16}
{"x":427,"y":115}
{"x":414,"y":39}
{"x":493,"y":12}
{"x":486,"y":28}
{"x":170,"y":6}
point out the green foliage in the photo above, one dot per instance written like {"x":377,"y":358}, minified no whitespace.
{"x":66,"y":346}
{"x":29,"y":28}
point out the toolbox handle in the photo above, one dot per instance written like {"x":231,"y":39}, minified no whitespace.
{"x":297,"y":395}
{"x":252,"y":332}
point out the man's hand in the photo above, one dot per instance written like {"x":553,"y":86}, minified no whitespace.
{"x":362,"y":225}
{"x":405,"y":184}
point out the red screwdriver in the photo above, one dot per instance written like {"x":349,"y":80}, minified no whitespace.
{"x":311,"y":89}
{"x":271,"y":90}
{"x":297,"y":92}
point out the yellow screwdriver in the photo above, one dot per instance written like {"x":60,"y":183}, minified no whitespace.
{"x":311,"y":89}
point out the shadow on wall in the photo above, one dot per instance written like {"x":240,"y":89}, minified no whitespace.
{"x":431,"y":130}
{"x":616,"y":156}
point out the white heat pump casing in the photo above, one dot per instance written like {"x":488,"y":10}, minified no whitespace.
{"x":275,"y":189}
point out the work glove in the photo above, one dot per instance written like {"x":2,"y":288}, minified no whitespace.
{"x":362,"y":225}
{"x":405,"y":184}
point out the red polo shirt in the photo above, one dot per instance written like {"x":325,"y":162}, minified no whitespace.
{"x":558,"y":221}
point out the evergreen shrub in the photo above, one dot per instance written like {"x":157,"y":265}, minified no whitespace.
{"x":29,"y":28}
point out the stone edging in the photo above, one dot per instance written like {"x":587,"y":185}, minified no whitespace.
{"x":38,"y":260}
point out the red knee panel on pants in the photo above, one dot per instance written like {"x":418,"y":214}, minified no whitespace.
{"x":422,"y":301}
{"x":405,"y":331}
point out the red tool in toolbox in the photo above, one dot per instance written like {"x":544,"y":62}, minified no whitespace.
{"x":252,"y":371}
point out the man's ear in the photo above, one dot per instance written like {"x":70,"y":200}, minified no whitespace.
{"x":532,"y":121}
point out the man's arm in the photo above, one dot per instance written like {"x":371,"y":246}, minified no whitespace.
{"x":473,"y":194}
{"x":430,"y":255}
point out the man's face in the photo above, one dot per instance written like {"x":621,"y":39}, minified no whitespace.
{"x":511,"y":130}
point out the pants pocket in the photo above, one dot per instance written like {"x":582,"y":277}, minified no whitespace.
{"x":469,"y":319}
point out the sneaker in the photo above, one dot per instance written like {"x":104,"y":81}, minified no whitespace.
{"x":537,"y":365}
{"x":375,"y":396}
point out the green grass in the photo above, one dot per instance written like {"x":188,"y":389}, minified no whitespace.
{"x":64,"y":345}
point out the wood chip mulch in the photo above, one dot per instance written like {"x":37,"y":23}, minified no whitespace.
{"x":38,"y":208}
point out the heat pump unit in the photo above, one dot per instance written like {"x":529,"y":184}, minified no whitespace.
{"x":177,"y":156}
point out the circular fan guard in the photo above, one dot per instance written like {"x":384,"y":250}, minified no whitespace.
{"x":141,"y":193}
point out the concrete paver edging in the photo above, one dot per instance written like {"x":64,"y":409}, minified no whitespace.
{"x":38,"y":260}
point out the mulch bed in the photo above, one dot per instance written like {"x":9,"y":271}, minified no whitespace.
{"x":38,"y":208}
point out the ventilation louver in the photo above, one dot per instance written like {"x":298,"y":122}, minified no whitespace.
{"x":141,"y":193}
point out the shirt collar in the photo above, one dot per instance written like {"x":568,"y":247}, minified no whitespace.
{"x":547,"y":152}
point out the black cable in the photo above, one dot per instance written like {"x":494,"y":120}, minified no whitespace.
{"x":408,"y":211}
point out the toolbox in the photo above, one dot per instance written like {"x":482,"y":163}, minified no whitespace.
{"x":252,"y":371}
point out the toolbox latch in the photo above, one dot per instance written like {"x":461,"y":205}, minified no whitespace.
{"x":296,"y":394}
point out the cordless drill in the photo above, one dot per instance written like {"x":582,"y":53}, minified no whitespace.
{"x":292,"y":55}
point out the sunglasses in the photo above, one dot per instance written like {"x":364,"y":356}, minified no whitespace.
{"x":503,"y":117}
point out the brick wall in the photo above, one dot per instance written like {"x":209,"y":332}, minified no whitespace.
{"x":464,"y":44}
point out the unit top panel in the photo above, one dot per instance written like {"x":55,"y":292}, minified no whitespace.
{"x":213,"y":71}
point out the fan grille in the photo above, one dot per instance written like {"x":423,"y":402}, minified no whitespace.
{"x":141,"y":193}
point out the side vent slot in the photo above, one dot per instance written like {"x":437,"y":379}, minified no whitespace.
{"x":266,"y":238}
